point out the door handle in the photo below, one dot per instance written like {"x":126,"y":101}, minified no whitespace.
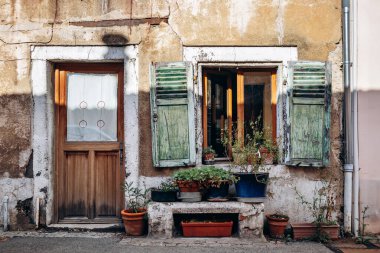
{"x":121,"y":153}
{"x":155,"y":117}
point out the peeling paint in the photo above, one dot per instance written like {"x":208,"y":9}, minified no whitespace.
{"x":240,"y":14}
{"x":280,"y":20}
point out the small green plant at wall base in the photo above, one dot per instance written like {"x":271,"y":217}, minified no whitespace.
{"x":321,"y":207}
{"x":361,"y":238}
{"x":136,"y":198}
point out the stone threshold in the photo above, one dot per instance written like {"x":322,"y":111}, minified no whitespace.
{"x":60,"y":234}
{"x":104,"y":227}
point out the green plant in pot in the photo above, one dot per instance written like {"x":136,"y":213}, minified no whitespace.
{"x":134,"y":216}
{"x":166,"y":192}
{"x":189,"y":182}
{"x":208,"y":155}
{"x":217,"y":182}
{"x":250,"y":155}
{"x":321,"y":206}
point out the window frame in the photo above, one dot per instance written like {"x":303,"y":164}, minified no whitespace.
{"x":206,"y":69}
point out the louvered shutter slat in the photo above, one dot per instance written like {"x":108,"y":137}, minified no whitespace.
{"x":171,"y":83}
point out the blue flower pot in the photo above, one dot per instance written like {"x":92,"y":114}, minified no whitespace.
{"x":218,"y":192}
{"x":251,"y":187}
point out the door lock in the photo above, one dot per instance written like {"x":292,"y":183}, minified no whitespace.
{"x":155,"y":117}
{"x":121,"y":152}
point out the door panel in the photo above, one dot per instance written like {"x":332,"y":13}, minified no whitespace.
{"x":89,"y":119}
{"x":107,"y":182}
{"x":76,"y":181}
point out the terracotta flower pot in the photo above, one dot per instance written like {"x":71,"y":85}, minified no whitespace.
{"x":266,"y":156}
{"x":308,"y":230}
{"x":277,"y":225}
{"x":332,"y":231}
{"x":209,"y":159}
{"x":207,"y":229}
{"x":134,"y":223}
{"x":304,"y":230}
{"x":188,"y":186}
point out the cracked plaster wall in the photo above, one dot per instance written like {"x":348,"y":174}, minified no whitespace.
{"x":313,"y":26}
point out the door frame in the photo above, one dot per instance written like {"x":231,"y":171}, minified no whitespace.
{"x":42,"y":84}
{"x":60,"y":131}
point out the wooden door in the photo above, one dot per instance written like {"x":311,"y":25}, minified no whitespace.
{"x":89,"y":120}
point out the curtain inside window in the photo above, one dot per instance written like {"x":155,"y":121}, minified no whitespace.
{"x":91,"y":107}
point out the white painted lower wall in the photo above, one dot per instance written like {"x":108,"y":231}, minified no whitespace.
{"x":15,"y":189}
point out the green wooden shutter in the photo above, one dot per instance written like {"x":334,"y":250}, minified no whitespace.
{"x":172,"y":113}
{"x":308,"y":121}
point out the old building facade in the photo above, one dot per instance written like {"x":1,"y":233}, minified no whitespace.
{"x":47,"y":45}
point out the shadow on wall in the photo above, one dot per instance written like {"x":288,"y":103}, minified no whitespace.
{"x":369,"y":140}
{"x":16,"y":160}
{"x":114,"y":39}
{"x":15,"y":135}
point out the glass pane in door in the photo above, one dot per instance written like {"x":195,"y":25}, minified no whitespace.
{"x":91,"y":107}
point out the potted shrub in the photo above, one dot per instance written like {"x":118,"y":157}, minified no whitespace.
{"x":277,"y":223}
{"x":208,"y":155}
{"x":189,"y":183}
{"x":134,"y":216}
{"x":323,"y":227}
{"x":166,"y":192}
{"x":217,"y":182}
{"x":207,"y":228}
{"x":249,"y":160}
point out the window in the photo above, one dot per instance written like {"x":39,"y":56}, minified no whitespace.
{"x":232,"y":99}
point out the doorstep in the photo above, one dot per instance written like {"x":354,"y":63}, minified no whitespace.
{"x":87,"y":227}
{"x":250,"y":217}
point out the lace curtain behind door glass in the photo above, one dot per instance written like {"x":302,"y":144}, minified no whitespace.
{"x":91,"y":107}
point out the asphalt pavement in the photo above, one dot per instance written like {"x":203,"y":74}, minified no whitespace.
{"x":115,"y":243}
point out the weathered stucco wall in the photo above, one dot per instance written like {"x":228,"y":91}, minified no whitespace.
{"x":160,"y":29}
